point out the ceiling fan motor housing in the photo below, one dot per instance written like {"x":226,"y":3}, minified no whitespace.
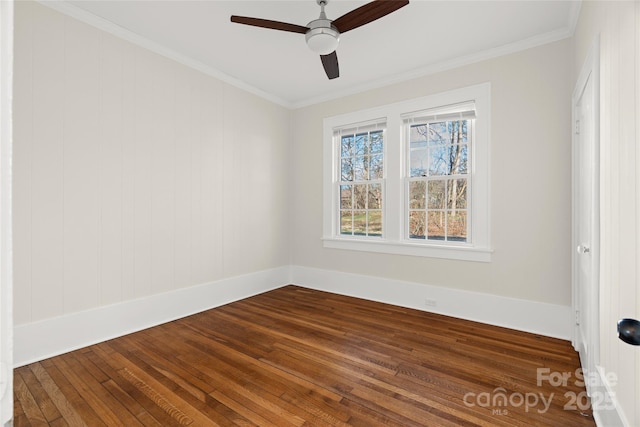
{"x":322,"y":37}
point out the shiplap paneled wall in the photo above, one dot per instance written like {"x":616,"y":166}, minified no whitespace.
{"x":134,"y":175}
{"x":617,"y":24}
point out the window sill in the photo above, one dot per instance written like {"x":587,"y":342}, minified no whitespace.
{"x":463,"y":253}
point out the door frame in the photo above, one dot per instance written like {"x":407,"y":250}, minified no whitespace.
{"x":6,"y":276}
{"x":590,"y":69}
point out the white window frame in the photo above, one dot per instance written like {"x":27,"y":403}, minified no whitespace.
{"x":377,"y":124}
{"x":395,"y":208}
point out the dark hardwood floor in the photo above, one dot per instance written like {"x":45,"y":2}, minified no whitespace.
{"x":294,"y":357}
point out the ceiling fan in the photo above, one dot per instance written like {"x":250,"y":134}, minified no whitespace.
{"x":323,"y":34}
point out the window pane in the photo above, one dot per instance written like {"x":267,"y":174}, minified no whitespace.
{"x":448,"y":159}
{"x":456,"y":161}
{"x":419,"y":162}
{"x":345,"y":197}
{"x":362,"y":144}
{"x":360,"y":223}
{"x":346,"y":170}
{"x":436,"y":226}
{"x":418,"y":135}
{"x":375,"y":223}
{"x":417,"y":224}
{"x":346,"y":146}
{"x":440,"y":162}
{"x":457,"y":226}
{"x":377,"y":140}
{"x":346,"y":226}
{"x":376,"y":167}
{"x":457,"y":194}
{"x":439,"y":149}
{"x":453,"y":132}
{"x":360,"y":196}
{"x":463,"y":161}
{"x":361,"y":168}
{"x":459,"y":131}
{"x":436,"y":194}
{"x":439,"y":133}
{"x":375,"y":196}
{"x":361,"y":160}
{"x":417,"y":194}
{"x":465,"y":132}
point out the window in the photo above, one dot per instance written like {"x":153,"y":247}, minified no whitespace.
{"x":411,"y":178}
{"x":439,"y":181}
{"x":360,"y":183}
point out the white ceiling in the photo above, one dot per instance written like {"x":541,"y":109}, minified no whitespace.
{"x":418,"y":39}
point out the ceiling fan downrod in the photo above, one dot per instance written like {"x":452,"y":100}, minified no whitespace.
{"x":322,"y":4}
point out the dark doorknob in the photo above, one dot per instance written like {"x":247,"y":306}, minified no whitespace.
{"x":629,"y":331}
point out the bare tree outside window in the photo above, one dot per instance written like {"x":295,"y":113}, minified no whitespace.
{"x":439,"y":180}
{"x":361,"y":174}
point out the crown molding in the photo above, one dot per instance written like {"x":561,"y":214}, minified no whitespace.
{"x":130,"y":36}
{"x":118,"y":31}
{"x":574,"y":14}
{"x":439,"y":67}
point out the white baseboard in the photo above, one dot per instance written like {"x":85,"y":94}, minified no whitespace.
{"x":541,"y":318}
{"x":51,"y":337}
{"x":605,"y":404}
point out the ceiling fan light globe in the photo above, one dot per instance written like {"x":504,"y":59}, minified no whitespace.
{"x":322,"y":41}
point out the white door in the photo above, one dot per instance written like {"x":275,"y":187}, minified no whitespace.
{"x":586,"y":214}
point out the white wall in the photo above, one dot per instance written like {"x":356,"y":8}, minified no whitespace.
{"x":617,"y":23}
{"x":530,"y":181}
{"x":135,"y":175}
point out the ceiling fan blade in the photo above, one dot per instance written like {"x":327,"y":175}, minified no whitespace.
{"x":367,"y":13}
{"x":266,"y":23}
{"x":330,"y":64}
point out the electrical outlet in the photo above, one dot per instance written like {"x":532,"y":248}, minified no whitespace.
{"x":430,"y":302}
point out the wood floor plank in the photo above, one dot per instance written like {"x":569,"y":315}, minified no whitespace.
{"x":295,"y":357}
{"x":268,"y":389}
{"x":59,"y":422}
{"x":134,"y":407}
{"x":21,"y":421}
{"x":176,"y":406}
{"x":18,"y":412}
{"x":254,"y":373}
{"x":257,"y":364}
{"x":124,"y":392}
{"x":81,"y":407}
{"x":202,"y":403}
{"x":157,"y":398}
{"x":40,"y":395}
{"x":29,"y":405}
{"x":91,"y":392}
{"x":147,"y":401}
{"x":255,"y":404}
{"x":94,"y":379}
{"x":68,"y":413}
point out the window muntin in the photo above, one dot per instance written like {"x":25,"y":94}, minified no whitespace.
{"x":361,"y":180}
{"x":438,"y":184}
